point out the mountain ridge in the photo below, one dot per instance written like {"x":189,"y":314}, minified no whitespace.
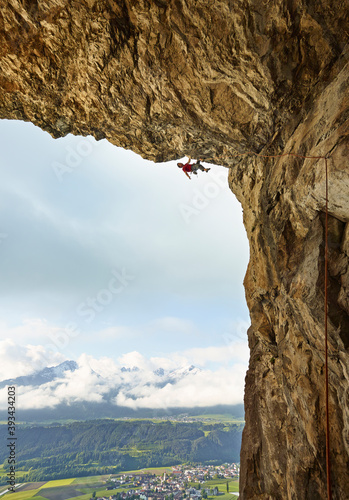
{"x":107,"y":406}
{"x":47,"y":374}
{"x":50,"y":374}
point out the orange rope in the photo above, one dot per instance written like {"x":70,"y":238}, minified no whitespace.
{"x":328,"y":462}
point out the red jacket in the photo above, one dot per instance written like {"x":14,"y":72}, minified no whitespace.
{"x":186,"y":167}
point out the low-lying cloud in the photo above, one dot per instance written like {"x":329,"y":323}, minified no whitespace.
{"x":179,"y":380}
{"x":205,"y":388}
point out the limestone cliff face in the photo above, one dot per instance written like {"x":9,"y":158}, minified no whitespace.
{"x":210,"y":79}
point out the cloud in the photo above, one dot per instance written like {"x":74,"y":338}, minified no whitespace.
{"x":18,"y":360}
{"x":31,"y":329}
{"x":138,"y":380}
{"x":205,"y":388}
{"x":104,"y":366}
{"x":134,"y":359}
{"x":237,"y":351}
{"x":81,"y":385}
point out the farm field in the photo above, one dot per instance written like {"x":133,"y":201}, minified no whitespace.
{"x":64,"y":489}
{"x":22,"y":495}
{"x":31,"y":490}
{"x":224,"y":418}
{"x":59,"y":492}
{"x":152,"y":470}
{"x":220,"y":483}
{"x":32,"y":486}
{"x":59,"y":482}
{"x":91,"y":480}
{"x":222,"y":487}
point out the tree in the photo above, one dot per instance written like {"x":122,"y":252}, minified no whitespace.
{"x":227,"y":487}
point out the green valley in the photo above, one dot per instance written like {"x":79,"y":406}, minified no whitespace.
{"x":109,"y":446}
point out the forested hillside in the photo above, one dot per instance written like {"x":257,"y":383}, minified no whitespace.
{"x":103,"y":446}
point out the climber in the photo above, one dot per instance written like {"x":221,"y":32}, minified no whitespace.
{"x":192,"y":168}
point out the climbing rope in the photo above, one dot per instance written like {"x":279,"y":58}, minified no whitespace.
{"x":328,"y":462}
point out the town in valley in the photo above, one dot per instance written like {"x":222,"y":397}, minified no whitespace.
{"x":190,"y":482}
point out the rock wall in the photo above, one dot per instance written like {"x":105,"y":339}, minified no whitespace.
{"x":213,"y":79}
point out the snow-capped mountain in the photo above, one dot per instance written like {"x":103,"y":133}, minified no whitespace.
{"x":42,"y":376}
{"x":76,"y":391}
{"x":183,"y":372}
{"x":50,"y":374}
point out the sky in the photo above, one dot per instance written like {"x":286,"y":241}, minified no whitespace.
{"x":112,"y":260}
